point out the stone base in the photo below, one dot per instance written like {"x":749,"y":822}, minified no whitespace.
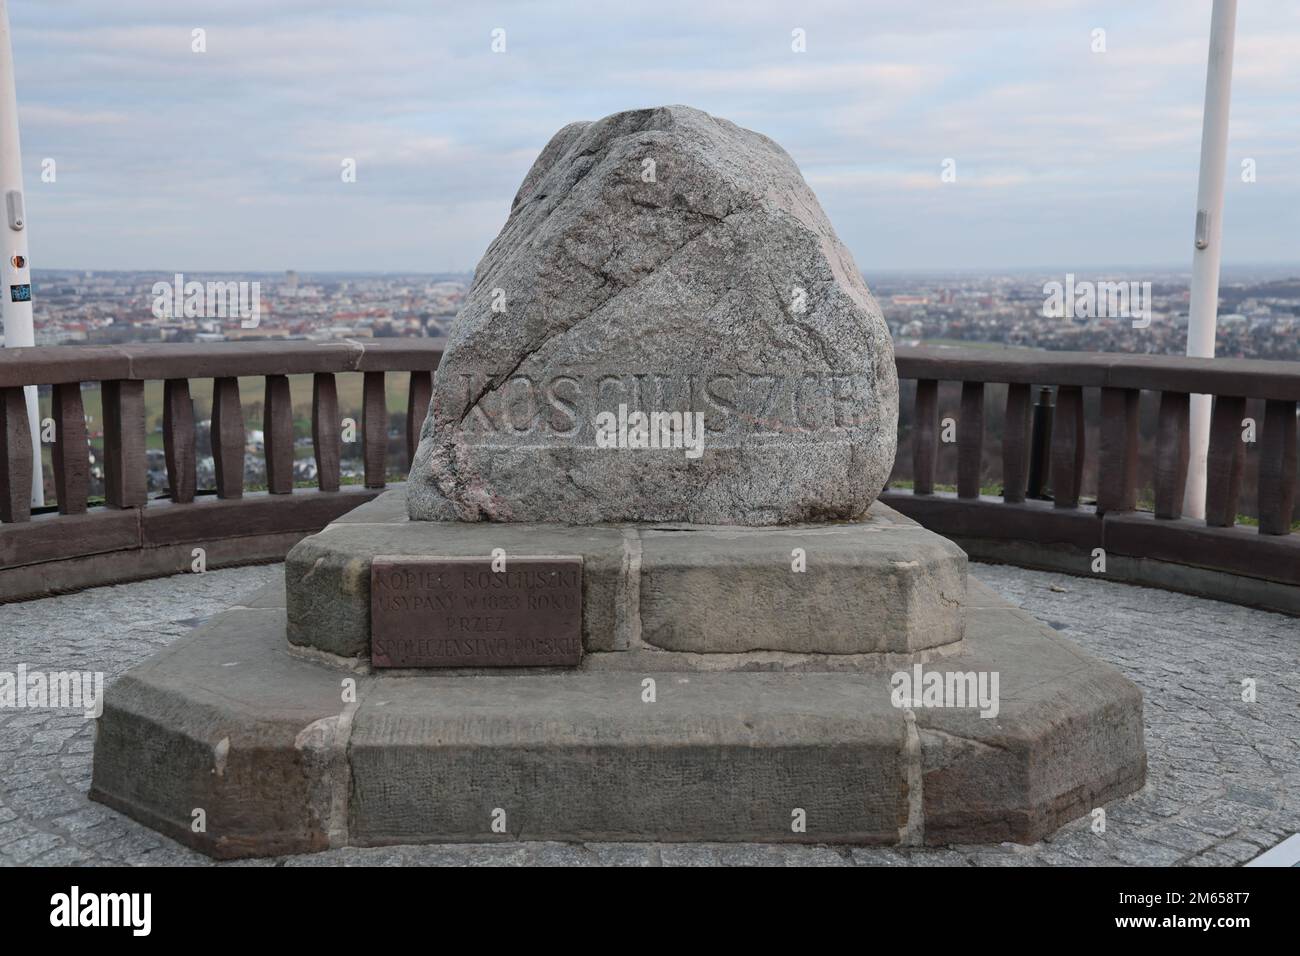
{"x":878,"y":586}
{"x":281,"y":756}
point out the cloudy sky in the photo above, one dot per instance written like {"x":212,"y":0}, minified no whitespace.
{"x":230,"y":159}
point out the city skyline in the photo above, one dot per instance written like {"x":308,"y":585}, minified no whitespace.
{"x":1143,"y":312}
{"x":229,"y":160}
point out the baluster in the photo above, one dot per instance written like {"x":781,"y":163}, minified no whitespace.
{"x":124,"y":461}
{"x":924,"y":436}
{"x":1172,"y":451}
{"x":1277,"y":468}
{"x":417,"y":407}
{"x":16,"y":467}
{"x":1015,"y":444}
{"x":970,"y":440}
{"x":1040,"y":444}
{"x":1117,"y":467}
{"x":228,"y":438}
{"x":374,"y":424}
{"x":325,"y":425}
{"x":70,"y":454}
{"x":178,"y":440}
{"x":1224,"y":465}
{"x":1068,"y":446}
{"x":277,"y":434}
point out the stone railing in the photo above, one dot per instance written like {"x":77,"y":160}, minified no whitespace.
{"x":1216,"y":557}
{"x":133,"y":536}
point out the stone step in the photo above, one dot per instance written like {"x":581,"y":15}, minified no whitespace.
{"x":284,"y":754}
{"x":880,"y":585}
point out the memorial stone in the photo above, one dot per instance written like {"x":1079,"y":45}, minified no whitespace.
{"x":666,"y":329}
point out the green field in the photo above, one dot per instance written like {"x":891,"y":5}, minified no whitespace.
{"x":251,"y":396}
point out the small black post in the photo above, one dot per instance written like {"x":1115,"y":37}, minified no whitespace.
{"x":1040,"y":445}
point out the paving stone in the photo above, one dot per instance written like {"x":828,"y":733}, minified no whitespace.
{"x":1264,"y":839}
{"x":1215,"y":822}
{"x":1052,"y":858}
{"x":749,"y":854}
{"x":354,"y":856}
{"x":1239,"y":851}
{"x":462,"y":854}
{"x":689,"y":854}
{"x":936,"y":857}
{"x":1183,"y":838}
{"x":626,"y":854}
{"x":11,"y":832}
{"x":60,"y":803}
{"x":816,"y":856}
{"x":1143,"y":853}
{"x":1003,"y":859}
{"x":63,"y":855}
{"x":878,"y":856}
{"x":559,"y":854}
{"x":31,"y":846}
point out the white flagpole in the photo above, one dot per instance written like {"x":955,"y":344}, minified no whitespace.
{"x":15,"y":277}
{"x":1203,"y":312}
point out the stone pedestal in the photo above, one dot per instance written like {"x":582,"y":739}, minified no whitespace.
{"x":662,"y":733}
{"x":670,"y":391}
{"x":882,"y":584}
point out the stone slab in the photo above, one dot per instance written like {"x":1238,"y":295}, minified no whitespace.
{"x":231,"y":720}
{"x":883,"y":585}
{"x":228,"y":723}
{"x":584,"y":757}
{"x":880,"y":585}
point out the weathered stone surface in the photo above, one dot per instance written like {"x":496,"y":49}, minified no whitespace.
{"x":577,"y":757}
{"x":228,"y":720}
{"x":873,"y":586}
{"x":667,"y":261}
{"x":879,"y":585}
{"x":1087,"y":717}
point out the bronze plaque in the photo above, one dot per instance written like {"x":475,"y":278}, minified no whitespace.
{"x":459,"y":612}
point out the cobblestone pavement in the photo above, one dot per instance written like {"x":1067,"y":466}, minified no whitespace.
{"x":1224,"y":778}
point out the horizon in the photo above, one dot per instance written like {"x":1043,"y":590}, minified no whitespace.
{"x":1228,"y":269}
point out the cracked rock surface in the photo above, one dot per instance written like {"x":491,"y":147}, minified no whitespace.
{"x":661,"y":261}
